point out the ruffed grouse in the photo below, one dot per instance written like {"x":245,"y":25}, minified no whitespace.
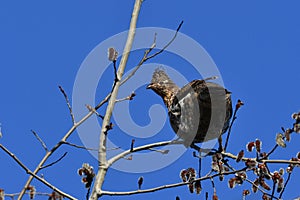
{"x":198,"y":112}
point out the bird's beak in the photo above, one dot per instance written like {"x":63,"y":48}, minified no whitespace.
{"x":149,"y":86}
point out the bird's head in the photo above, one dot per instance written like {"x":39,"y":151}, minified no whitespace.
{"x":162,"y":85}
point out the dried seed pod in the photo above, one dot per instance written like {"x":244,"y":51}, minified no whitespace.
{"x":231,"y":182}
{"x":221,"y":177}
{"x":287,"y":134}
{"x":242,"y":175}
{"x":281,"y":171}
{"x":183,"y":174}
{"x":265,"y":197}
{"x":280,"y":140}
{"x":191,"y":187}
{"x":255,"y":185}
{"x":246,"y":192}
{"x":198,"y":187}
{"x":2,"y":193}
{"x":215,"y":197}
{"x":215,"y":166}
{"x":87,"y":171}
{"x":276,"y":176}
{"x":290,"y":168}
{"x":240,"y":156}
{"x":297,"y":127}
{"x":280,"y":185}
{"x":239,"y":104}
{"x":250,"y":146}
{"x":264,"y":185}
{"x":140,"y":182}
{"x":32,"y":191}
{"x":250,"y":163}
{"x":258,"y":144}
{"x":112,"y":54}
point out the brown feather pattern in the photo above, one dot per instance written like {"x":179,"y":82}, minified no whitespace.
{"x":198,"y":112}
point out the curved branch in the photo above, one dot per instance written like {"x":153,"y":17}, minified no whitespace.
{"x":34,"y":175}
{"x":102,"y":192}
{"x":141,"y":148}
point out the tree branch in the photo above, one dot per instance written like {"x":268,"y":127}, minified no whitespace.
{"x":163,"y":186}
{"x":106,"y":121}
{"x":53,"y":163}
{"x":40,"y":140}
{"x":141,"y":148}
{"x":68,"y":103}
{"x":34,"y":175}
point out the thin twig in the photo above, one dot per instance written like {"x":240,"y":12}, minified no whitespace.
{"x":130,"y":97}
{"x":163,"y":186}
{"x":40,"y":140}
{"x":146,"y":57}
{"x":36,"y":194}
{"x":141,"y":148}
{"x":285,"y":184}
{"x":80,"y":147}
{"x":91,"y":109}
{"x":238,"y":105}
{"x":73,"y":128}
{"x":68,"y":103}
{"x":273,"y":190}
{"x":168,"y":44}
{"x":229,"y":155}
{"x":34,"y":175}
{"x":88,"y":193}
{"x":260,"y":189}
{"x":53,"y":163}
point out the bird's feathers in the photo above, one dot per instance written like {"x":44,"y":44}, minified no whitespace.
{"x":199,"y":111}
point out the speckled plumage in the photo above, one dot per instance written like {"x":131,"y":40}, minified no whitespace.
{"x":198,"y":112}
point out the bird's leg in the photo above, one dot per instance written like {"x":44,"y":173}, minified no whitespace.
{"x":193,"y":146}
{"x":200,"y":150}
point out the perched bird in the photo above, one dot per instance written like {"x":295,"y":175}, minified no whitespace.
{"x":198,"y":112}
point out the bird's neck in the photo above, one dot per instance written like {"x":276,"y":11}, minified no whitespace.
{"x":169,"y":96}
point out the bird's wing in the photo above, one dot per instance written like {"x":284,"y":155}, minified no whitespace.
{"x":202,"y":89}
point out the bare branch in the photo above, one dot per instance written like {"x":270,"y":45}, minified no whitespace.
{"x":229,"y":155}
{"x":285,"y":184}
{"x":237,"y":106}
{"x":102,"y":192}
{"x":130,"y":97}
{"x":141,"y":148}
{"x":68,"y":103}
{"x":146,"y":57}
{"x":53,"y":163}
{"x":106,"y":121}
{"x":80,"y":147}
{"x":34,"y":175}
{"x":40,"y":140}
{"x":91,"y":109}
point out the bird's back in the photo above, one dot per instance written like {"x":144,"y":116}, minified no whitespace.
{"x":200,"y":111}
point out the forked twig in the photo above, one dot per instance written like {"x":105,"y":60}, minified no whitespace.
{"x":53,"y":163}
{"x":68,"y":103}
{"x":146,"y":57}
{"x":34,"y":175}
{"x":237,"y":107}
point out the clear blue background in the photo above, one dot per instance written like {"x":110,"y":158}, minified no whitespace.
{"x":255,"y":45}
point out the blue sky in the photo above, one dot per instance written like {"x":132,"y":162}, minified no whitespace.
{"x":255,"y":45}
